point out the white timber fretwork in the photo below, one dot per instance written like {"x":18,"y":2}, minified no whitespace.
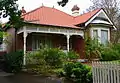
{"x":52,"y":30}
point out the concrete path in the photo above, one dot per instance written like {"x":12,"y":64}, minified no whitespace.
{"x":3,"y":74}
{"x":25,"y":78}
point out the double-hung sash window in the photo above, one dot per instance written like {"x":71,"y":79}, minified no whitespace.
{"x":104,"y":36}
{"x":101,"y":34}
{"x":38,"y":41}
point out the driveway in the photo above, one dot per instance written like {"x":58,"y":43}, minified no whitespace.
{"x":26,"y":78}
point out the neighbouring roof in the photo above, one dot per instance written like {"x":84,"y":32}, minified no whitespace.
{"x":51,"y":16}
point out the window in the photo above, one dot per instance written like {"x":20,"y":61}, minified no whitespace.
{"x":38,"y":41}
{"x":95,"y":33}
{"x":104,"y":36}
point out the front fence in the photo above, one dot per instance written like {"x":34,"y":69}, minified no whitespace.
{"x":106,"y":72}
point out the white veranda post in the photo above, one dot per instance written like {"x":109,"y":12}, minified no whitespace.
{"x":25,"y":36}
{"x":68,"y":42}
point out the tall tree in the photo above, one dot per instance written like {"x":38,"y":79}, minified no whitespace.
{"x":111,"y":7}
{"x":1,"y":34}
{"x":63,"y":3}
{"x":10,"y":8}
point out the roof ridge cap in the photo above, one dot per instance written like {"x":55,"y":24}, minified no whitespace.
{"x":47,"y":7}
{"x":33,"y":10}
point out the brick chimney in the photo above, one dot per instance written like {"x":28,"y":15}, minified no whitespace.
{"x":75,"y":10}
{"x":23,"y":11}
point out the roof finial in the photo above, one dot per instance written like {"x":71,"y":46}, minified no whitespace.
{"x":75,"y":7}
{"x":23,"y":10}
{"x":75,"y":10}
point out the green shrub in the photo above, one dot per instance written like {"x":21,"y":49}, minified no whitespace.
{"x":53,"y":57}
{"x":109,"y":54}
{"x":116,"y":47}
{"x":77,"y":72}
{"x":36,"y":63}
{"x":35,"y":57}
{"x":106,"y":52}
{"x":14,"y":61}
{"x":71,"y":55}
{"x":68,"y":69}
{"x":92,"y":48}
{"x":45,"y":59}
{"x":59,"y":72}
{"x":89,"y":77}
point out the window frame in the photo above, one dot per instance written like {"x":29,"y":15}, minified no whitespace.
{"x":99,"y":29}
{"x":38,"y":39}
{"x":95,"y":36}
{"x":107,"y":36}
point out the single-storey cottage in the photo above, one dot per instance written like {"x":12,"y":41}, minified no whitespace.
{"x":57,"y":29}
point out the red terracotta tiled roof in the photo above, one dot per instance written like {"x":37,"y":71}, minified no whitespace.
{"x":54,"y":17}
{"x":85,"y":17}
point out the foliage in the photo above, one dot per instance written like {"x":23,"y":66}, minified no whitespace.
{"x":36,"y":63}
{"x":14,"y":61}
{"x":116,"y":47}
{"x":45,"y":59}
{"x":59,"y":72}
{"x":1,"y":34}
{"x":53,"y":57}
{"x":96,"y":50}
{"x":63,"y":3}
{"x":68,"y":69}
{"x":77,"y":72}
{"x":109,"y":54}
{"x":71,"y":55}
{"x":34,"y":58}
{"x":111,"y":7}
{"x":92,"y":48}
{"x":10,"y":8}
{"x":49,"y":60}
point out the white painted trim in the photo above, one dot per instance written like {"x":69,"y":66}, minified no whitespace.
{"x":99,"y":32}
{"x":53,"y":30}
{"x":101,"y":11}
{"x":68,"y":42}
{"x":25,"y":38}
{"x":93,"y":18}
{"x":109,"y":19}
{"x":100,"y":21}
{"x":20,"y":30}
